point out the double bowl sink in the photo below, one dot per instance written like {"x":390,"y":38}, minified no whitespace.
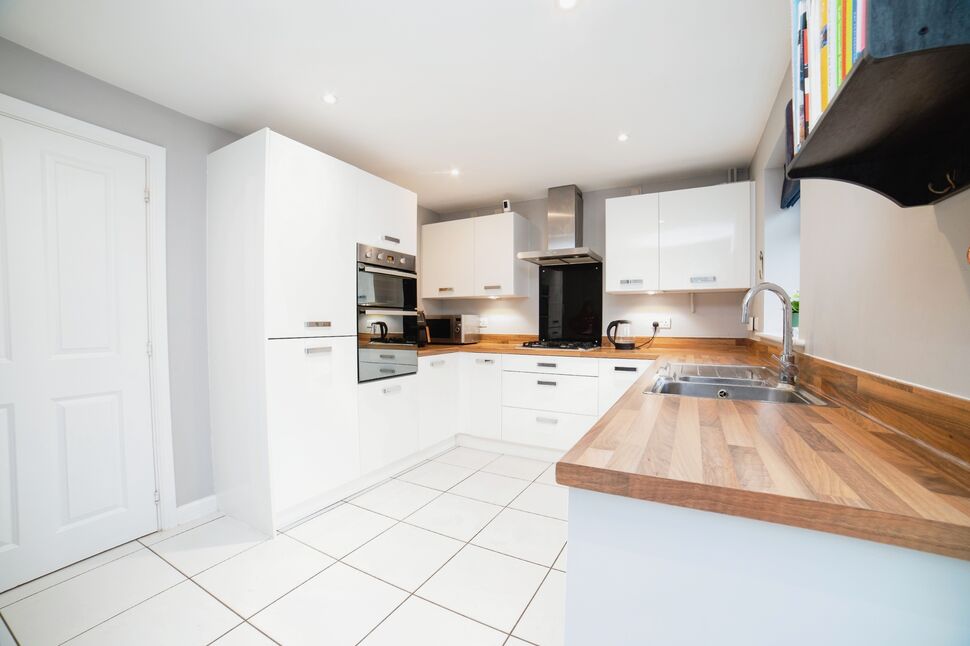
{"x":745,"y":383}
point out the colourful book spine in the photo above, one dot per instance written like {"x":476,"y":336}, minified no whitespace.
{"x":858,"y":25}
{"x":823,"y":53}
{"x":847,"y":34}
{"x":863,"y":23}
{"x":839,"y":18}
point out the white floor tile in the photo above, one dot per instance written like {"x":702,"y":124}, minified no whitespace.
{"x":468,"y":458}
{"x":549,"y":477}
{"x":544,"y":621}
{"x":544,"y":499}
{"x":209,"y":544}
{"x":250,"y":581}
{"x":486,"y":586}
{"x":341,"y":530}
{"x":454,"y":516}
{"x":396,"y":498}
{"x":514,"y":641}
{"x":517,"y":533}
{"x":244,"y":635}
{"x":6,"y":639}
{"x":560,"y":563}
{"x":59,"y":576}
{"x":419,"y":623}
{"x":437,"y":475}
{"x":404,"y":555}
{"x":184,"y":614}
{"x":158,"y":537}
{"x":88,"y":599}
{"x":337,"y":607}
{"x":490,"y":487}
{"x":516,"y":467}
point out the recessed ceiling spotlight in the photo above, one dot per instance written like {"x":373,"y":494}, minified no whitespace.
{"x":566,"y":4}
{"x":622,"y":137}
{"x":330,"y":98}
{"x":455,"y":172}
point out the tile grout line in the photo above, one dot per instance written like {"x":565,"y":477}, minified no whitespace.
{"x":3,"y":620}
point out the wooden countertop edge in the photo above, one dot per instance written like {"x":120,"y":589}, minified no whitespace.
{"x":882,"y":527}
{"x":486,"y":348}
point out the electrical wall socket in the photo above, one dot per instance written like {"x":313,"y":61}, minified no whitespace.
{"x":482,"y":322}
{"x":664,"y":320}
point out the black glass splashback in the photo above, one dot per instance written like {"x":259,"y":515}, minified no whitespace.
{"x":571,"y":303}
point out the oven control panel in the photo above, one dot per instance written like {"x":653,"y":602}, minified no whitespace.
{"x":386,"y":258}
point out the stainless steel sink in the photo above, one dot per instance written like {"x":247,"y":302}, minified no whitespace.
{"x":746,"y":383}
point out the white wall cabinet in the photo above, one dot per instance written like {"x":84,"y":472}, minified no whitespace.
{"x":497,"y":270}
{"x":387,"y":414}
{"x":481,"y":394}
{"x":386,"y":214}
{"x":439,"y":398}
{"x":446,"y":250}
{"x":705,"y":238}
{"x":693,"y":240}
{"x":632,"y":244}
{"x":311,"y":394}
{"x":475,"y":257}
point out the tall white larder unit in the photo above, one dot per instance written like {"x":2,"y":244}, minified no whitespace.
{"x":283,"y":221}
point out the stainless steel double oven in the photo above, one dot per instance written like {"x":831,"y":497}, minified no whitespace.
{"x":387,"y":314}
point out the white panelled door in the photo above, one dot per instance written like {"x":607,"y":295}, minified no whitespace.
{"x":77,"y":472}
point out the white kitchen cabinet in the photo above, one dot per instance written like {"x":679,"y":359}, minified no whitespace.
{"x":562,"y":393}
{"x":552,"y":365}
{"x":616,"y":377}
{"x":439,"y":398}
{"x":481,"y":394}
{"x":309,"y":248}
{"x":705,"y":238}
{"x":475,"y":257}
{"x":547,"y":429}
{"x":387,"y":416}
{"x":497,"y":270}
{"x":446,"y":252}
{"x":632,"y":244}
{"x":311,"y":405}
{"x":386,"y":214}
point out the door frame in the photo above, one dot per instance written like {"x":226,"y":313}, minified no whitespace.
{"x":161,"y":410}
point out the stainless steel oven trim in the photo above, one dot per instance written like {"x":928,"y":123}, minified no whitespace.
{"x":372,"y":269}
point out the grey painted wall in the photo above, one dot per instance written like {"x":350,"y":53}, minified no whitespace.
{"x":36,"y":79}
{"x":715,"y":315}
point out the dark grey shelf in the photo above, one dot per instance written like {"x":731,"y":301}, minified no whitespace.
{"x":900,"y":122}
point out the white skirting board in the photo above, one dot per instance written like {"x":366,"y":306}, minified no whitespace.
{"x":196,"y":509}
{"x":509,"y":448}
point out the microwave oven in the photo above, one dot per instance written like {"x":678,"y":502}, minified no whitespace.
{"x":453,"y":328}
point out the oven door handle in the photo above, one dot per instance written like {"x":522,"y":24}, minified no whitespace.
{"x":388,"y":272}
{"x":385,"y":312}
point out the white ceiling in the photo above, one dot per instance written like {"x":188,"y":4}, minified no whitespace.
{"x":518,"y":94}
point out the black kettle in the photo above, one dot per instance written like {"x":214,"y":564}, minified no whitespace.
{"x":379,"y":325}
{"x":623,"y":338}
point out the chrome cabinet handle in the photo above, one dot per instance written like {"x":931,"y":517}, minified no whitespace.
{"x":484,"y":360}
{"x":446,"y":289}
{"x":317,"y":324}
{"x":387,"y":371}
{"x":631,"y":281}
{"x":624,"y":368}
{"x":439,"y":362}
{"x":492,"y":286}
{"x":547,"y":420}
{"x":546,"y":383}
{"x":391,"y":389}
{"x":318,"y":350}
{"x":545,"y":365}
{"x":386,"y":356}
{"x":703,"y":279}
{"x":393,"y":239}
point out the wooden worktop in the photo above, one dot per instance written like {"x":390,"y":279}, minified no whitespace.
{"x":824,"y":468}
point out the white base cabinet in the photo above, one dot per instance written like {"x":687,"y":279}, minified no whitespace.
{"x":481,"y":394}
{"x":550,"y":429}
{"x":616,"y":377}
{"x":387,"y":416}
{"x":439,"y":391}
{"x":311,"y":405}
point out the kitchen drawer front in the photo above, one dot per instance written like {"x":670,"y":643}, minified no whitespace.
{"x":371,"y":371}
{"x":544,"y":428}
{"x":616,"y":377}
{"x":551,"y":365}
{"x":389,"y":355}
{"x":561,"y":393}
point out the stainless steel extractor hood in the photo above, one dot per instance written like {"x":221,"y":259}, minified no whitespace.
{"x":564,"y":231}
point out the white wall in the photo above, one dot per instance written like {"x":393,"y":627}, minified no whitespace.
{"x":31,"y":77}
{"x":887,"y":289}
{"x":716,"y":315}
